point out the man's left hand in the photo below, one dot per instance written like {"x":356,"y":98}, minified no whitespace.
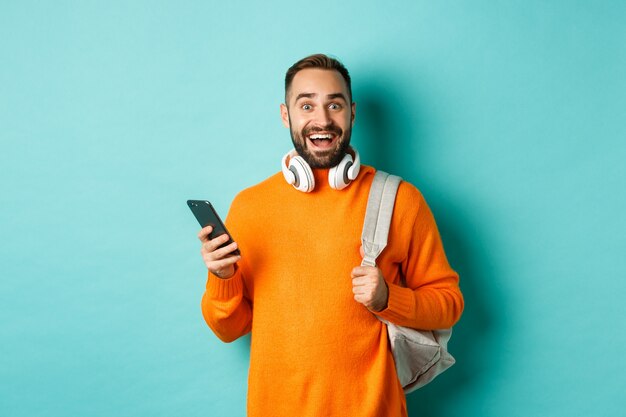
{"x":369,"y":287}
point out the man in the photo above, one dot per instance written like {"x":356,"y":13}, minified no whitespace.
{"x":318,"y":348}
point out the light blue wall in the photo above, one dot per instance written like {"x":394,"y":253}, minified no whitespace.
{"x":509,"y":116}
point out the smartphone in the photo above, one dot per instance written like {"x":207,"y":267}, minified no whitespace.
{"x":207,"y":216}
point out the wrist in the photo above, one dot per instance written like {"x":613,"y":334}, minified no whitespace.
{"x":384,"y":300}
{"x":225,"y":274}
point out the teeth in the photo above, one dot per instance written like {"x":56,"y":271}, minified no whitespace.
{"x":320,"y":136}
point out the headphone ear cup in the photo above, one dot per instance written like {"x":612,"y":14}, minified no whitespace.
{"x":353,"y":171}
{"x":298,"y":173}
{"x":304,"y":179}
{"x":338,"y":175}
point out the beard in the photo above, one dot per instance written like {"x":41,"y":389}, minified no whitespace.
{"x":322,"y":159}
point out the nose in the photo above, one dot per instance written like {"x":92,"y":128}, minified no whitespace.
{"x":322,"y":116}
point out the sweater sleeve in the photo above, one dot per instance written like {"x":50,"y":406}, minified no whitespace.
{"x":224,"y":307}
{"x":431,"y":298}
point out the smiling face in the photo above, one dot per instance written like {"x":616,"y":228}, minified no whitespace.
{"x":319,"y":114}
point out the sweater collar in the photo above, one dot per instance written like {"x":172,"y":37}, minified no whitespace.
{"x":321,"y":178}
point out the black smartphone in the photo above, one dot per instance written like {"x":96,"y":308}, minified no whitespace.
{"x":207,"y":216}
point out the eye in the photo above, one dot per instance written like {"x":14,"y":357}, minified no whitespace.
{"x":335,"y":106}
{"x":306,"y":107}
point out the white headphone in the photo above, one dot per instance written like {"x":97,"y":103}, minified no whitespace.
{"x":298,"y":173}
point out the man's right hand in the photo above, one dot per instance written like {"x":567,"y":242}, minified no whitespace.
{"x":221,"y":262}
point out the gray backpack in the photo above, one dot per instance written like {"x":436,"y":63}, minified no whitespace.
{"x":420,"y":355}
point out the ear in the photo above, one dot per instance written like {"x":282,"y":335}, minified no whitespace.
{"x":284,"y":115}
{"x":353,"y":113}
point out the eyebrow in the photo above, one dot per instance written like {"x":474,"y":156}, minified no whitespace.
{"x":329,"y":96}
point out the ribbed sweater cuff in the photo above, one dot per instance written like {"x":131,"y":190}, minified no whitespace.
{"x":400,"y":305}
{"x":224,"y":289}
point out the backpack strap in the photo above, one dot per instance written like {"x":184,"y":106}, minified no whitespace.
{"x":378,"y":214}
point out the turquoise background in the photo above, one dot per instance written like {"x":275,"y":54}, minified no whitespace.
{"x":509,"y":116}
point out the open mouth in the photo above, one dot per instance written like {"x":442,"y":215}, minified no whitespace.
{"x":322,"y":140}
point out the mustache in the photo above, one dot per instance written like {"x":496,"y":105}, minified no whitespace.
{"x":332,"y":128}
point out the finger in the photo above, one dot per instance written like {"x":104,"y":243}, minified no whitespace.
{"x":225,"y":251}
{"x":360,"y":298}
{"x":361,"y":281}
{"x":363,"y":270}
{"x":216,"y":263}
{"x":213,"y":244}
{"x":204,"y":233}
{"x":217,"y":266}
{"x":359,"y":291}
{"x":219,"y":253}
{"x":369,"y":277}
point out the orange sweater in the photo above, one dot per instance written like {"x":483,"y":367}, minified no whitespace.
{"x":315,"y":350}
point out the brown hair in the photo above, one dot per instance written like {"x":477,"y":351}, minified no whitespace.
{"x":320,"y":61}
